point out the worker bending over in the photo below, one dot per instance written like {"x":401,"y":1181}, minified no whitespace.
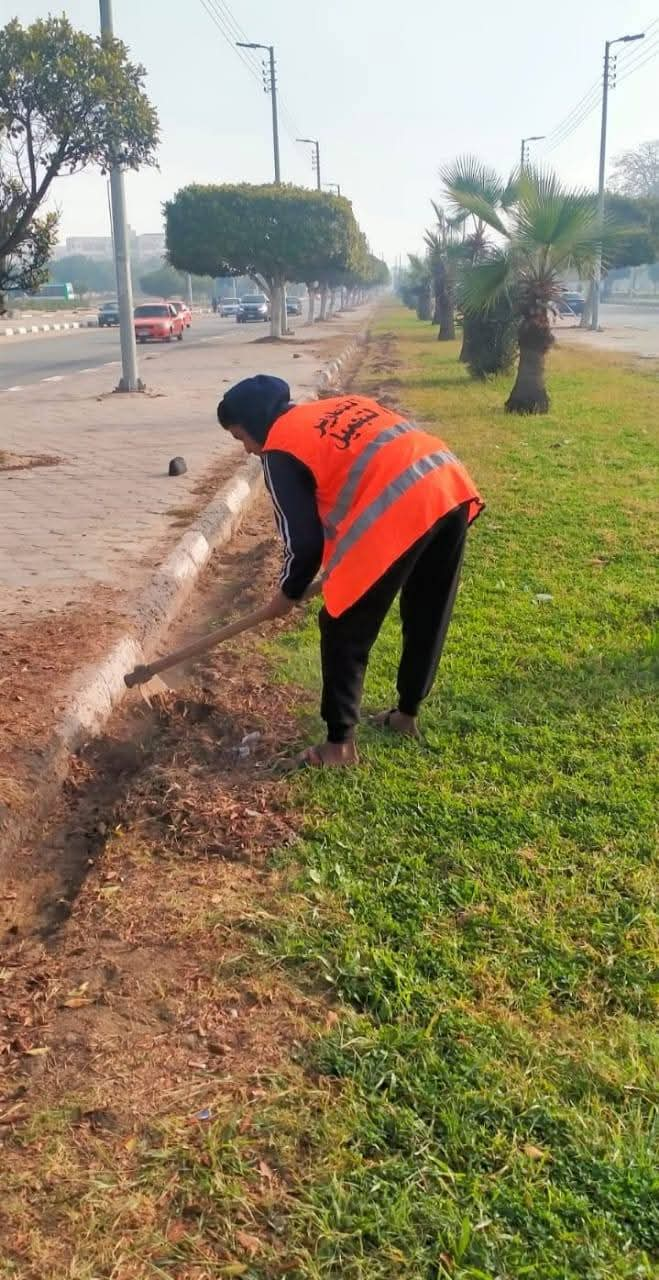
{"x":379,"y":507}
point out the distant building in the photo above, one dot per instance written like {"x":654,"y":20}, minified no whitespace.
{"x":91,"y":246}
{"x":149,"y":245}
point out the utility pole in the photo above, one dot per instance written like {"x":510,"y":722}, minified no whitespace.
{"x":129,"y":380}
{"x":275,"y":121}
{"x":315,"y":159}
{"x":272,"y":89}
{"x":597,"y":278}
{"x":524,"y":149}
{"x":188,"y":281}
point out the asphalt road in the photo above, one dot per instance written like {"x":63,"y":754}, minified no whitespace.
{"x":631,"y":317}
{"x":27,"y":360}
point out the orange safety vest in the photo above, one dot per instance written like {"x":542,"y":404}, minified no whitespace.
{"x":380,"y":485}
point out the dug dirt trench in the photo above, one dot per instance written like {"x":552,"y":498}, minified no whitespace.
{"x":211,"y":706}
{"x":121,"y":979}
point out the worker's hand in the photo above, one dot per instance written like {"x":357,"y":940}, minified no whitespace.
{"x":278,"y":607}
{"x":314,"y":589}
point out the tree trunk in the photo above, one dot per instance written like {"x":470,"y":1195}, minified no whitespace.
{"x":437,"y":310}
{"x":312,"y":304}
{"x":464,"y":349}
{"x":276,"y":292}
{"x":323,"y":301}
{"x":529,"y":394}
{"x":424,"y":304}
{"x":446,"y":314}
{"x":587,"y":313}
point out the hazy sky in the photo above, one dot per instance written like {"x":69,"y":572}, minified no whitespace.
{"x":392,"y":90}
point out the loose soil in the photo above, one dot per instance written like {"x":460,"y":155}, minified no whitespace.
{"x":26,"y":461}
{"x":125,"y":1002}
{"x":123,"y":929}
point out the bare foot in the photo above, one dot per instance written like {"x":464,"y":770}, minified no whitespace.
{"x":329,"y":755}
{"x":398,"y":722}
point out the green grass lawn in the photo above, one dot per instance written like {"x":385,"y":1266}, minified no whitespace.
{"x":437,"y":1058}
{"x":482,"y":905}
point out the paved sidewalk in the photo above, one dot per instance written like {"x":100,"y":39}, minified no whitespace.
{"x":105,"y":510}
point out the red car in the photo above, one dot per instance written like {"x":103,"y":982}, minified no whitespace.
{"x":158,"y":321}
{"x":183,"y":310}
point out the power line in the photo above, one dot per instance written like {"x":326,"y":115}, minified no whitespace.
{"x":573,"y":123}
{"x":594,"y":88}
{"x":636,"y":50}
{"x":212,"y":13}
{"x":231,"y":31}
{"x":629,"y":62}
{"x":645,"y":54}
{"x":637,"y":66}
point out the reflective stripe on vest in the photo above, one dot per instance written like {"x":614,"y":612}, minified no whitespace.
{"x":395,"y":489}
{"x":346,"y":494}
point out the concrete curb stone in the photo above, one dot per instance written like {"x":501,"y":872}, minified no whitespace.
{"x":48,"y":328}
{"x":332,"y":375}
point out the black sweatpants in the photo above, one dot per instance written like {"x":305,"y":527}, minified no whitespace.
{"x":427,"y":577}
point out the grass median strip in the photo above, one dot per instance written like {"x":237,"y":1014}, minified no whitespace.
{"x":484,"y":904}
{"x":418,"y":1041}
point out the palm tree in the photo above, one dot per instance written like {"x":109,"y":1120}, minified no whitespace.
{"x":419,"y":285}
{"x":548,"y":230}
{"x":483,"y":342}
{"x":442,"y":259}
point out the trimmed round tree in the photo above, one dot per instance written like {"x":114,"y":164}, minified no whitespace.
{"x":270,"y":233}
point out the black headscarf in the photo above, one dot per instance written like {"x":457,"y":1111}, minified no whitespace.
{"x":254,"y":404}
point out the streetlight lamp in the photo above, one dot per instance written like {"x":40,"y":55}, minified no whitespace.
{"x":270,"y":50}
{"x":313,"y":142}
{"x":524,"y":150}
{"x":597,"y":278}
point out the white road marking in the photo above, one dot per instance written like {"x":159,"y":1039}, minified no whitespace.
{"x":91,"y":369}
{"x":109,"y":363}
{"x":14,"y":388}
{"x":55,"y":377}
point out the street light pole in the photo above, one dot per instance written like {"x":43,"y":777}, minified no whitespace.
{"x":313,"y":142}
{"x":270,"y":50}
{"x":524,"y":150}
{"x":129,"y":380}
{"x":597,"y":278}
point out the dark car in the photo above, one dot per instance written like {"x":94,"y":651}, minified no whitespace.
{"x":571,"y":301}
{"x":254,"y":306}
{"x":293,"y":307}
{"x":228,"y":306}
{"x":108,"y":313}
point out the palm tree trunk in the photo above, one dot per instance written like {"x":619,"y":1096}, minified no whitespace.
{"x":446,"y":315}
{"x":587,"y":313}
{"x":424,"y":303}
{"x":466,"y":338}
{"x":529,"y":394}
